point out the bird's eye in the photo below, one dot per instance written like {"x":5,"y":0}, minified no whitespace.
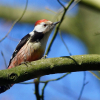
{"x":45,"y":25}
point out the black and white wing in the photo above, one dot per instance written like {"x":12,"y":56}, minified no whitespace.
{"x":19,"y":46}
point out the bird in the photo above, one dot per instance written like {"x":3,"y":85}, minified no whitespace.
{"x":31,"y":47}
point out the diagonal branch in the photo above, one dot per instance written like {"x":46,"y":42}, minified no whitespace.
{"x":58,"y":26}
{"x":17,"y":20}
{"x":83,"y":86}
{"x":42,"y":96}
{"x":50,"y":66}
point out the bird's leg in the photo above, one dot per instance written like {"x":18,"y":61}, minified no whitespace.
{"x":44,"y":57}
{"x":25,"y":63}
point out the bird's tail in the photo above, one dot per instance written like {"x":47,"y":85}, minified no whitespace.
{"x":4,"y":88}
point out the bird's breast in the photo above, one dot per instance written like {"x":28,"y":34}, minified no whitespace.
{"x":36,"y":51}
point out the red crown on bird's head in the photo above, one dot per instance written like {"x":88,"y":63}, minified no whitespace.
{"x":40,"y":21}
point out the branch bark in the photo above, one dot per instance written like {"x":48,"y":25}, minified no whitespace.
{"x":49,"y":66}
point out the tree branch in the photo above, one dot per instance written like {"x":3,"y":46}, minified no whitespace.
{"x":36,"y":81}
{"x":93,"y":4}
{"x":58,"y":26}
{"x":83,"y":86}
{"x":42,"y":96}
{"x":49,"y":66}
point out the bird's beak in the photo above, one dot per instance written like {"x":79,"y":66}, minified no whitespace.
{"x":56,"y":23}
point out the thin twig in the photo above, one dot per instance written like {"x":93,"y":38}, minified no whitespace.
{"x":42,"y":96}
{"x":61,"y":4}
{"x":4,"y":59}
{"x":84,"y":83}
{"x":50,"y":10}
{"x":57,"y":27}
{"x":17,"y":20}
{"x":13,"y":39}
{"x":95,"y":75}
{"x":47,"y":80}
{"x":56,"y":78}
{"x":37,"y":88}
{"x":65,"y":44}
{"x":76,"y":2}
{"x":61,"y":10}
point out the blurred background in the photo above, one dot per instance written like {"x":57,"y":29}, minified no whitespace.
{"x":81,"y":32}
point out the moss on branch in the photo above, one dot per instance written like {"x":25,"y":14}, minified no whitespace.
{"x":49,"y":66}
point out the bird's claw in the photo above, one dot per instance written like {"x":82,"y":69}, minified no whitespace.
{"x":44,"y":57}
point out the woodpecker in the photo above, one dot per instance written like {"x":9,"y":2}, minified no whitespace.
{"x":32,"y":46}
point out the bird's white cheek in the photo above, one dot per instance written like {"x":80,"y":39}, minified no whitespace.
{"x":39,"y":28}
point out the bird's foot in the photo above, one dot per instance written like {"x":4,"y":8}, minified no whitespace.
{"x":25,"y":63}
{"x":44,"y":57}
